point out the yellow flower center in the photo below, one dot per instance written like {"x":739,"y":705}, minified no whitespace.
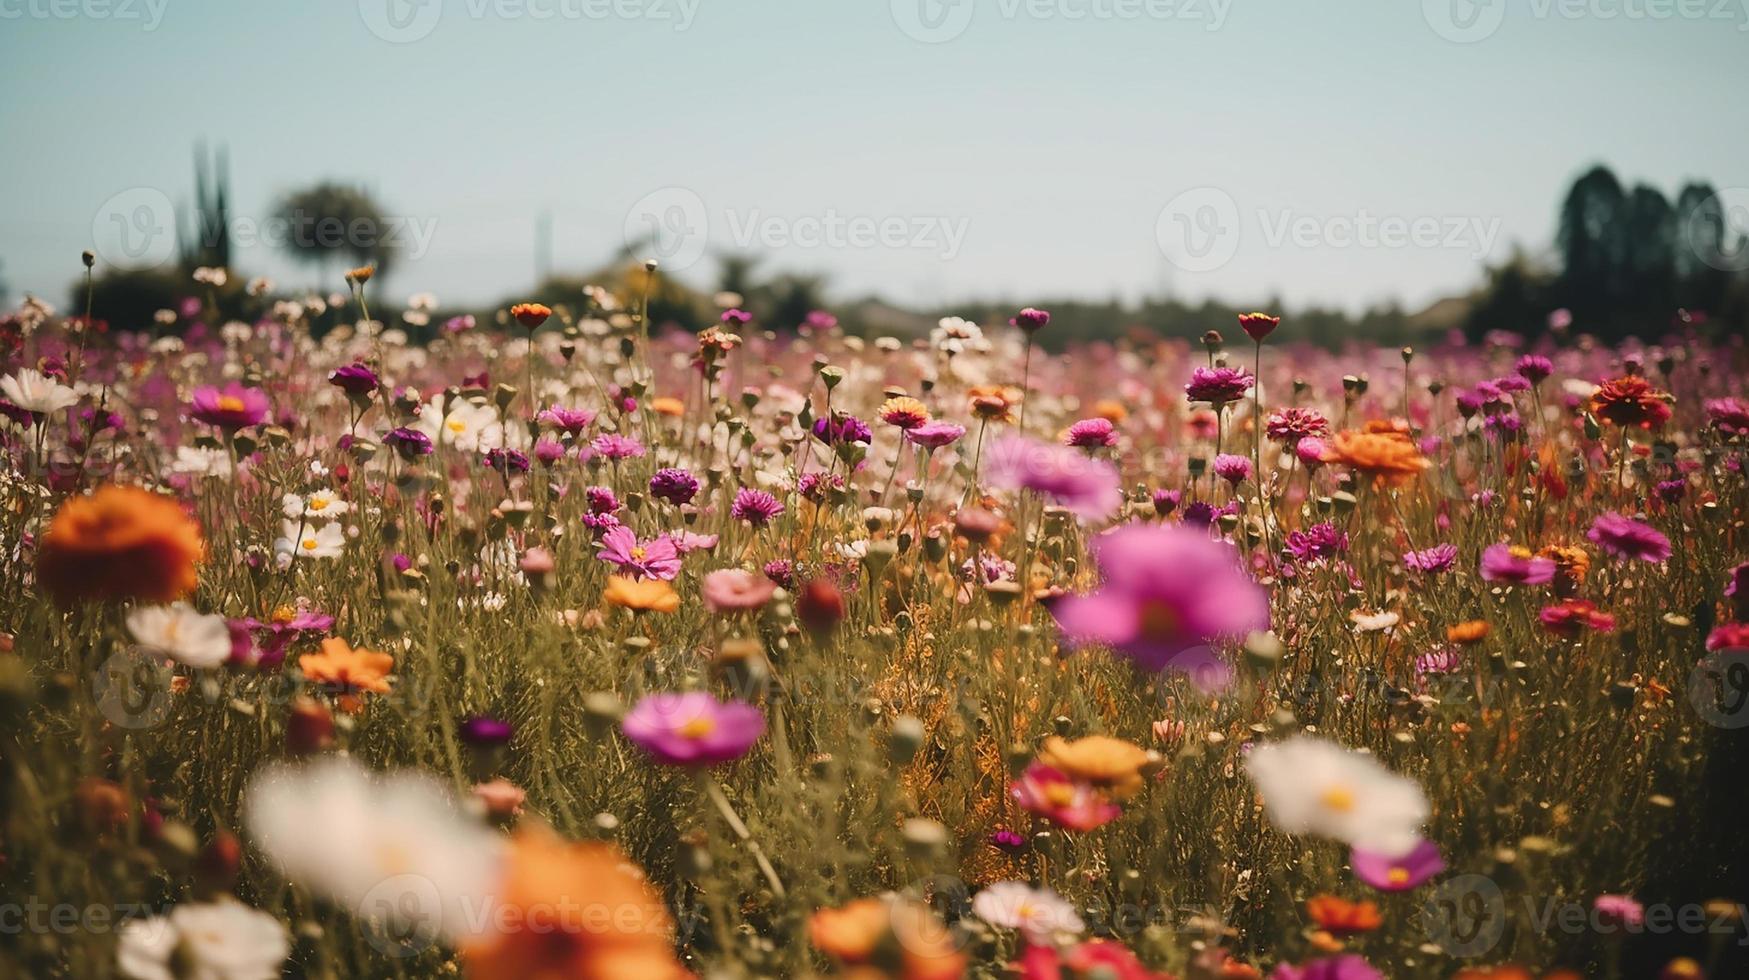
{"x":310,"y":544}
{"x":318,"y":503}
{"x":1060,"y":794}
{"x":1338,"y":798}
{"x":1520,"y":551}
{"x":456,"y":425}
{"x":231,"y":403}
{"x":284,"y":614}
{"x":638,"y":553}
{"x":698,"y":728}
{"x":1397,"y":876}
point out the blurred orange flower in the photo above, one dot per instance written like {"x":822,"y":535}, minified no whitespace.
{"x":668,"y":405}
{"x":877,"y":938}
{"x":1474,"y":631}
{"x":531,"y":315}
{"x":1387,"y":456}
{"x":1342,"y":917}
{"x":573,"y":910}
{"x":346,"y":671}
{"x":641,"y":595}
{"x":1109,"y":763}
{"x":120,"y":543}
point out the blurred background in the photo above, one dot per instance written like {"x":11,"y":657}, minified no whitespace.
{"x":1378,"y":170}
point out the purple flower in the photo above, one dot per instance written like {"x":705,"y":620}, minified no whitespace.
{"x":1431,"y":561}
{"x":756,"y":507}
{"x":1534,"y":368}
{"x":814,"y":486}
{"x":1515,"y":566}
{"x":507,"y":461}
{"x":231,"y":408}
{"x":1166,"y":501}
{"x":1087,"y":487}
{"x":548,"y":452}
{"x":1348,"y":966}
{"x":1318,"y":542}
{"x":1511,"y":384}
{"x":1095,"y":433}
{"x":1625,"y":537}
{"x":693,"y":728}
{"x":1619,"y":912}
{"x":1233,"y":469}
{"x":616,"y":447}
{"x":686,"y":542}
{"x":934,"y":435}
{"x":410,"y":443}
{"x":1218,"y":386}
{"x":1443,"y":660}
{"x":674,"y":485}
{"x":354,"y":379}
{"x":1198,"y":513}
{"x":482,"y":731}
{"x":275,"y":635}
{"x":570,"y":421}
{"x":781,"y":570}
{"x":736,"y":318}
{"x":1289,"y":425}
{"x":1031,"y":320}
{"x":838,"y":429}
{"x":601,"y":500}
{"x":1729,"y":415}
{"x":1004,"y":839}
{"x":1388,"y":874}
{"x":655,"y":558}
{"x":1167,"y":593}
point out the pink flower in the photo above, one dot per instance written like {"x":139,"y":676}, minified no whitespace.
{"x":1233,"y":469}
{"x":735,"y":590}
{"x":693,"y":728}
{"x":1049,"y":793}
{"x":1515,"y":566}
{"x":1388,"y":874}
{"x":935,"y":435}
{"x":231,"y":408}
{"x":1095,"y":433}
{"x":1619,"y":912}
{"x":756,"y":507}
{"x":1218,"y":386}
{"x":1625,"y":537}
{"x":1088,"y":487}
{"x":567,"y":420}
{"x":655,"y":558}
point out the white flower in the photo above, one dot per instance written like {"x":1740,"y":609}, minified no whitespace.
{"x":223,"y":940}
{"x":36,"y":392}
{"x":1310,"y":785}
{"x":1038,"y":912}
{"x":179,"y":632}
{"x":211,"y":275}
{"x":320,"y":503}
{"x":195,"y":461}
{"x":954,"y":335}
{"x":1370,"y":622}
{"x":385,"y":846}
{"x":303,"y":539}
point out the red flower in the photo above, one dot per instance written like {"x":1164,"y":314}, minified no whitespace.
{"x":1630,"y":401}
{"x":1258,"y":325}
{"x":531,"y":315}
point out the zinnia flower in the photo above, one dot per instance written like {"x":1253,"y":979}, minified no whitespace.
{"x":1167,"y":593}
{"x":1258,"y":325}
{"x":1729,"y":415}
{"x":1625,"y":537}
{"x":531,"y":315}
{"x":1630,"y":401}
{"x":1109,"y":764}
{"x":693,"y":728}
{"x":119,"y":543}
{"x":1571,"y":616}
{"x":1386,"y":456}
{"x":346,"y":671}
{"x":904,"y":412}
{"x":1218,"y":385}
{"x":1094,"y":433}
{"x":1289,"y":425}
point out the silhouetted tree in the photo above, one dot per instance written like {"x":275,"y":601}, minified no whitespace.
{"x":330,"y":222}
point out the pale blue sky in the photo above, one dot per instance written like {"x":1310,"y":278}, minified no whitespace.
{"x":1029,"y":154}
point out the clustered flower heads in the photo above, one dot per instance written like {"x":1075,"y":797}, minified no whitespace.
{"x":555,"y":642}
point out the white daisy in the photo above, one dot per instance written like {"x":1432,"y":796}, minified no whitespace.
{"x":1310,"y":785}
{"x":180,"y":633}
{"x":36,"y":392}
{"x":320,"y":504}
{"x":1038,"y":912}
{"x":223,"y":940}
{"x":303,"y":539}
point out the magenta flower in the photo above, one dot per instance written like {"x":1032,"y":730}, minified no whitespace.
{"x":1619,"y":912}
{"x":686,"y":542}
{"x":354,"y":379}
{"x":1317,"y":542}
{"x":756,"y":507}
{"x":548,"y":451}
{"x":1087,"y":487}
{"x":1515,"y":566}
{"x":570,"y":421}
{"x":1348,"y":966}
{"x":1167,"y":501}
{"x":1431,"y":561}
{"x":1625,"y":537}
{"x":1094,"y":433}
{"x":1168,"y":593}
{"x":1031,"y":320}
{"x":655,"y":558}
{"x":231,"y":408}
{"x":1218,"y":386}
{"x":1069,"y":803}
{"x":1534,"y":368}
{"x":693,"y":728}
{"x":1398,"y":874}
{"x":674,"y":485}
{"x":1233,"y":469}
{"x":273,"y":637}
{"x":1729,"y":415}
{"x":934,"y":435}
{"x":1289,"y":425}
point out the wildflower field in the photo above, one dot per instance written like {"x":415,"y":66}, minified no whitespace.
{"x":556,"y":644}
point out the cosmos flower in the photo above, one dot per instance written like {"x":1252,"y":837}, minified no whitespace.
{"x":1085,"y":486}
{"x":1095,"y":958}
{"x":612,"y":446}
{"x":1313,"y":786}
{"x":1396,"y":874}
{"x":230,"y":408}
{"x":1039,"y":913}
{"x":1570,"y":617}
{"x":755,"y":507}
{"x":304,"y":539}
{"x":1348,"y":966}
{"x":693,"y":728}
{"x":318,"y":503}
{"x":1076,"y":805}
{"x":1625,"y":537}
{"x":179,"y":632}
{"x":219,"y":940}
{"x":37,"y":393}
{"x":656,"y":558}
{"x":1515,"y":566}
{"x":1340,"y":917}
{"x":735,"y":590}
{"x":641,"y":595}
{"x":119,"y":543}
{"x":1167,"y":594}
{"x":346,"y":671}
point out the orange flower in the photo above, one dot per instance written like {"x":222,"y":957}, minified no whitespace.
{"x":641,"y":595}
{"x":1630,"y":401}
{"x":1510,"y":971}
{"x":877,"y":938}
{"x":531,"y":315}
{"x":1109,"y":763}
{"x":347,"y":671}
{"x":1572,"y":563}
{"x":120,"y":543}
{"x":573,"y":910}
{"x":1341,"y":917}
{"x":362,"y":274}
{"x":1381,"y":451}
{"x":668,"y":405}
{"x":1111,"y":410}
{"x":994,"y":403}
{"x":904,"y":412}
{"x":1474,"y":631}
